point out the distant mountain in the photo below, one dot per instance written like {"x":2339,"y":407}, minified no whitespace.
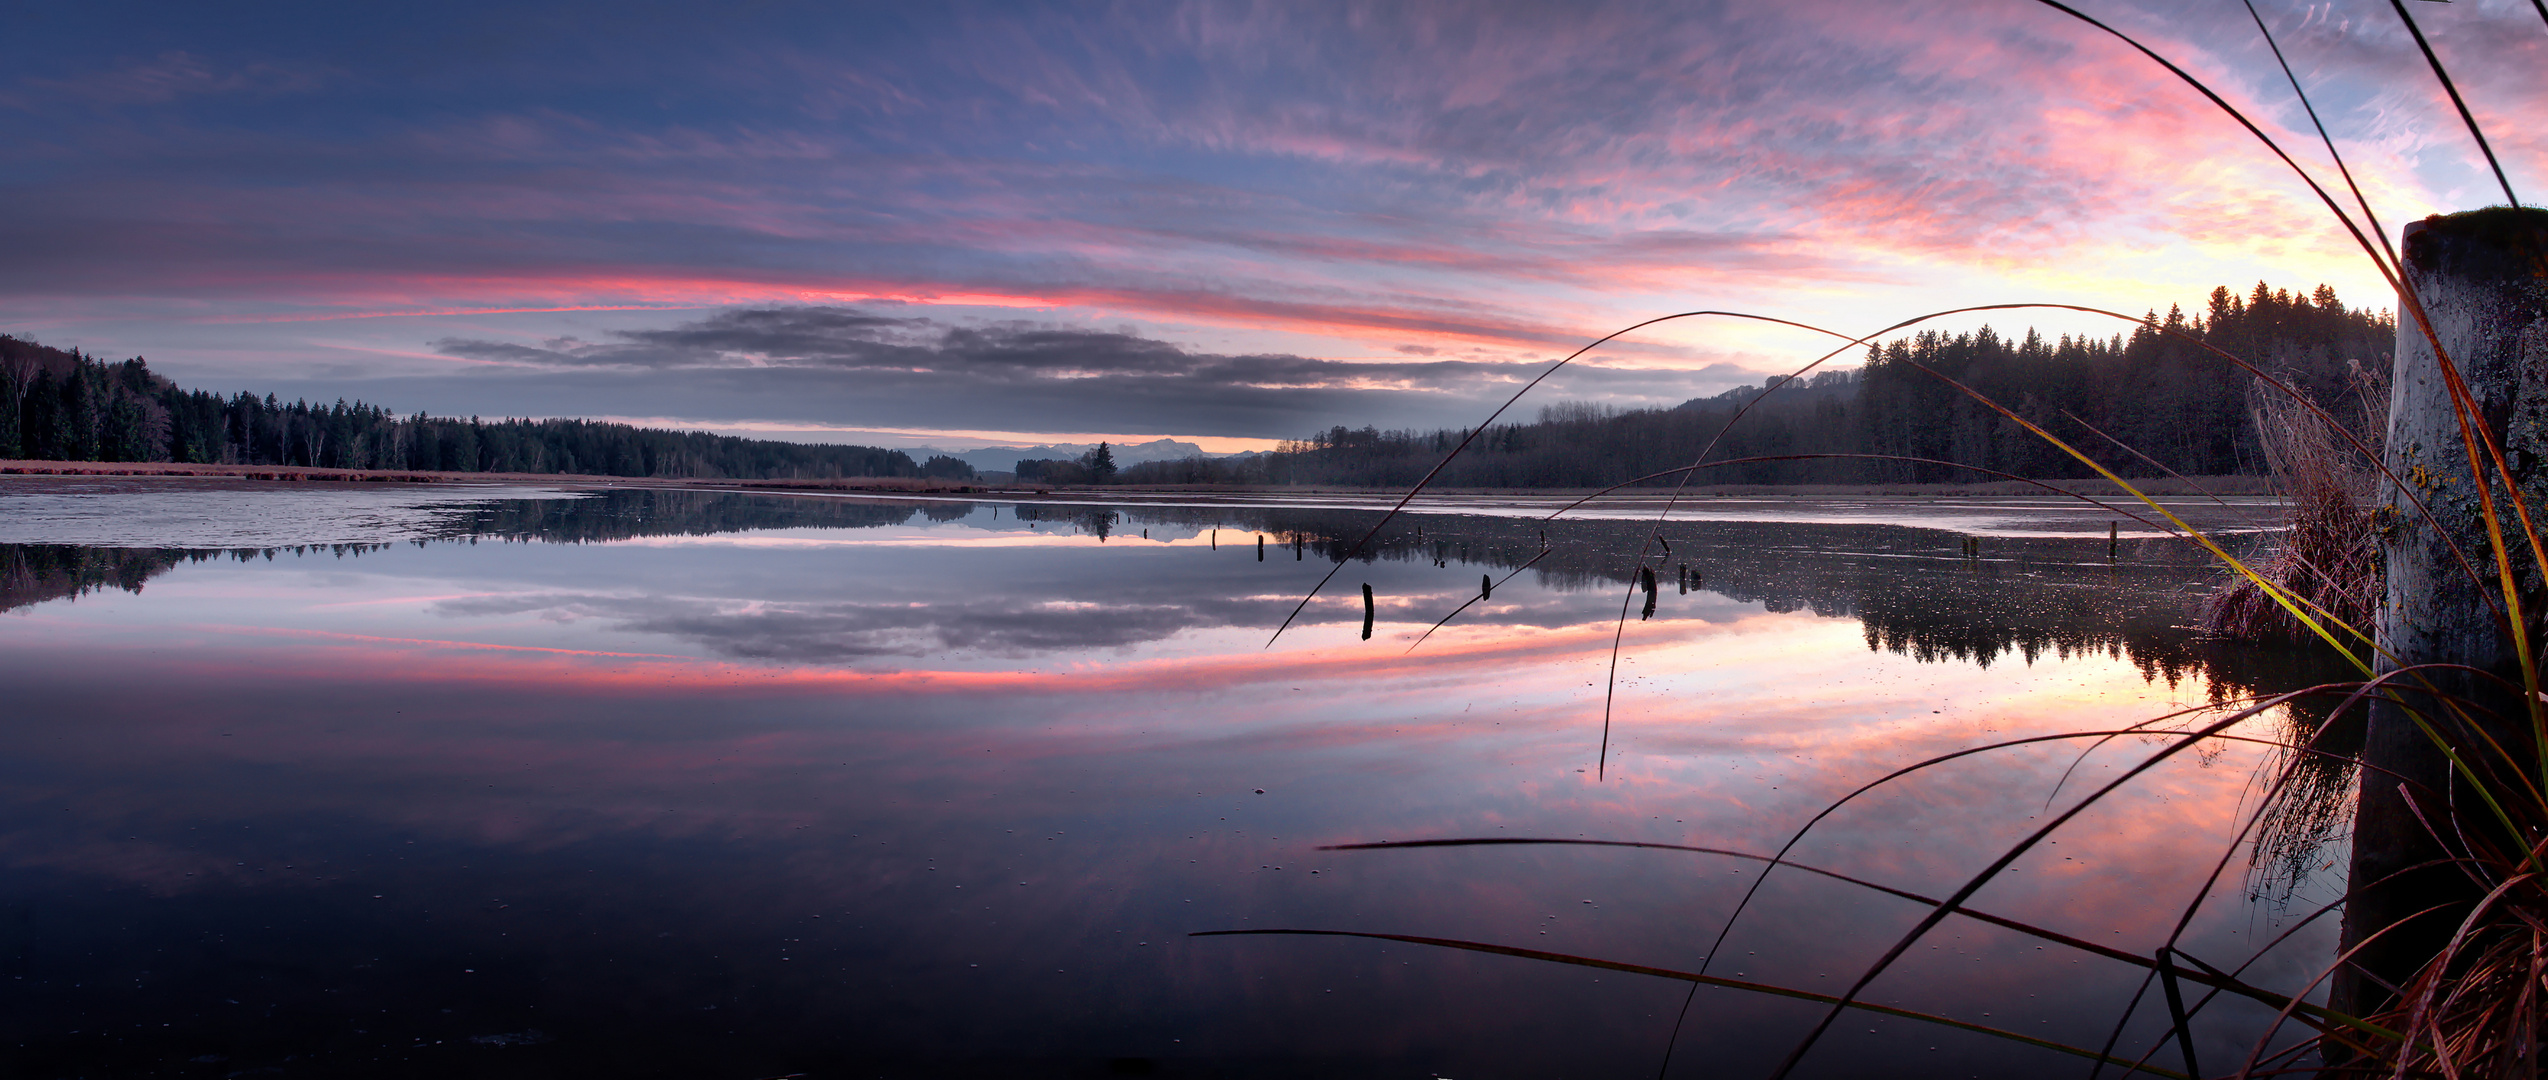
{"x":1005,"y":458}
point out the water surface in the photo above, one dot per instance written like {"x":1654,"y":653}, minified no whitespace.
{"x":368,"y":780}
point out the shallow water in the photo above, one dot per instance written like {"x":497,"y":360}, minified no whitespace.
{"x":699,"y":784}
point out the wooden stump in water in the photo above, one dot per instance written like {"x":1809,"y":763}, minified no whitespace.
{"x":2484,"y":288}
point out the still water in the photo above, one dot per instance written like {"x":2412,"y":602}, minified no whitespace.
{"x":438,"y":781}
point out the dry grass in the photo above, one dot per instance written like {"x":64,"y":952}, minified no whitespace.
{"x":2329,"y":554}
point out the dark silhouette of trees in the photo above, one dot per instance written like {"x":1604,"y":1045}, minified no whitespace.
{"x":942,"y":467}
{"x":2166,"y":398}
{"x":66,"y":406}
{"x":1099,"y":463}
{"x":1051,"y":471}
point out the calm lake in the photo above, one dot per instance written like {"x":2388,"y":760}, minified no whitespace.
{"x":304,"y":780}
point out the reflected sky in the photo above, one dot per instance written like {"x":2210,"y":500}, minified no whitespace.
{"x":753,"y":785}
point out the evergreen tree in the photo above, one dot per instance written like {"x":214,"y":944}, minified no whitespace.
{"x":1100,"y":463}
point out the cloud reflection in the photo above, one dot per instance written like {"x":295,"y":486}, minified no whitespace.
{"x":1019,"y":776}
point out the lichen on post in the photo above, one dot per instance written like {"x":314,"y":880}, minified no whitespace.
{"x":2483,"y":286}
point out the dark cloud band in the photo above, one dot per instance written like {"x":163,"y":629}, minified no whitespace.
{"x":856,"y":366}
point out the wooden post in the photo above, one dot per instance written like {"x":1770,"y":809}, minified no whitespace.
{"x":1366,"y":611}
{"x":2114,"y":543}
{"x":2479,"y":275}
{"x":1260,"y":547}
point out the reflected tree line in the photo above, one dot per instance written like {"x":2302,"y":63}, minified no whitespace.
{"x":1920,"y":593}
{"x":36,"y":573}
{"x":1916,"y":592}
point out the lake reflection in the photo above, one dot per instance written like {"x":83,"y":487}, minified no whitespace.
{"x":692,"y":784}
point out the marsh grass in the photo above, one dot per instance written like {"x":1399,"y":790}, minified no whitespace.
{"x":2329,"y":552}
{"x":2473,"y":1006}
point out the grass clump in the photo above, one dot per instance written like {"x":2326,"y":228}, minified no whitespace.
{"x":2328,"y":556}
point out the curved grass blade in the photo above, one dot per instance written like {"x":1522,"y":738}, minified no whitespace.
{"x":2146,"y":459}
{"x":1610,"y":690}
{"x":1918,"y":766}
{"x":2223,"y":104}
{"x":2424,"y":997}
{"x":2369,"y":218}
{"x":1991,"y":873}
{"x":1770,"y":989}
{"x":2457,"y":102}
{"x":1757,"y":458}
{"x":2465,"y":404}
{"x":2219,"y":981}
{"x":1464,"y":605}
{"x":1471,"y":437}
{"x":2254,"y":1056}
{"x":2176,"y":934}
{"x":2241,"y":568}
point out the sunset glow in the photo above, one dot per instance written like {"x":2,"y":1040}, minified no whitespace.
{"x":472,"y":214}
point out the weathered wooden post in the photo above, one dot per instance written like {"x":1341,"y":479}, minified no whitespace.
{"x":2484,"y":287}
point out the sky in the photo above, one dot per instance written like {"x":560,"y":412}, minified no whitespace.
{"x":964,"y":224}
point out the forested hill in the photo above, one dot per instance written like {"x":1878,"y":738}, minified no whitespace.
{"x":2168,"y":400}
{"x":65,"y":406}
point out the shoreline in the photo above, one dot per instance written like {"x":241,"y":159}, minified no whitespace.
{"x":892,"y":485}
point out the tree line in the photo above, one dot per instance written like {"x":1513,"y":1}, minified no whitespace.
{"x":60,"y":405}
{"x":2151,"y":400}
{"x":2156,"y":399}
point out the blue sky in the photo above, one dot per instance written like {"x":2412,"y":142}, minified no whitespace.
{"x":1224,"y":222}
